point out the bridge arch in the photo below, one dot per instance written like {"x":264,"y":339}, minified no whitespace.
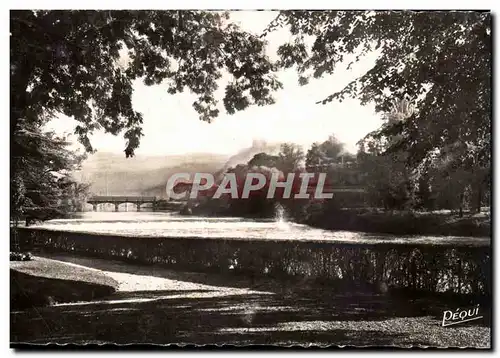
{"x":100,"y":206}
{"x":87,"y":207}
{"x":133,"y":205}
{"x":117,"y":201}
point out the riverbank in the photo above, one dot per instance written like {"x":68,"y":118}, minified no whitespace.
{"x":403,"y":222}
{"x":369,"y":220}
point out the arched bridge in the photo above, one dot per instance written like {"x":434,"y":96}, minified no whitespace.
{"x":117,"y":200}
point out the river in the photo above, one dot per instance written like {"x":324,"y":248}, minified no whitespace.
{"x":163,"y":224}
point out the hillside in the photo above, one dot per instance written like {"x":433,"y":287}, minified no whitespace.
{"x":244,"y":155}
{"x":113,"y":174}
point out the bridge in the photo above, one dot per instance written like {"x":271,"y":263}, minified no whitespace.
{"x":117,"y":200}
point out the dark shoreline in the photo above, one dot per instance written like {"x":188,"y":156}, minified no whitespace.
{"x":384,"y":222}
{"x":404,"y":223}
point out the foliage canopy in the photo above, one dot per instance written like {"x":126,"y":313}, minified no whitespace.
{"x":69,"y":62}
{"x":440,"y":59}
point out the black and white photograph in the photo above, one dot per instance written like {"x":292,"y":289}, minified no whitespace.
{"x":239,"y":178}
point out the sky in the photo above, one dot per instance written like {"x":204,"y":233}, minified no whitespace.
{"x":172,"y":126}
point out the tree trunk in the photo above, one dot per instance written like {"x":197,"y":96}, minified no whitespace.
{"x":14,"y":243}
{"x":461,"y":212}
{"x":479,"y":197}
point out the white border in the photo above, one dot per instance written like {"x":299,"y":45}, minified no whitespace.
{"x":255,"y":4}
{"x":192,"y":4}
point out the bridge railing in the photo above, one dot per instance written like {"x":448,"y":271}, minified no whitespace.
{"x":123,"y":199}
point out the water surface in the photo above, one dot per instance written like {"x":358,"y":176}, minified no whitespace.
{"x":161,"y":224}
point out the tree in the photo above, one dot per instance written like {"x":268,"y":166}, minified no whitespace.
{"x":291,"y":157}
{"x":441,"y":59}
{"x":43,"y":186}
{"x":457,"y":180}
{"x":314,"y":156}
{"x":388,"y":177}
{"x":264,"y":159}
{"x":74,"y":195}
{"x":69,"y":62}
{"x":423,"y":194}
{"x":330,"y":151}
{"x":333,"y":149}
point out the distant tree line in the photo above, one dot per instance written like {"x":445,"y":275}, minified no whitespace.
{"x":389,"y":181}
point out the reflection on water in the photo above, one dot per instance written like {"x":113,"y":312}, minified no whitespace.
{"x":154,"y":224}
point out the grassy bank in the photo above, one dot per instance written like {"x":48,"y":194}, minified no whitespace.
{"x":330,"y":216}
{"x":43,"y":282}
{"x":163,"y":306}
{"x":403,"y":222}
